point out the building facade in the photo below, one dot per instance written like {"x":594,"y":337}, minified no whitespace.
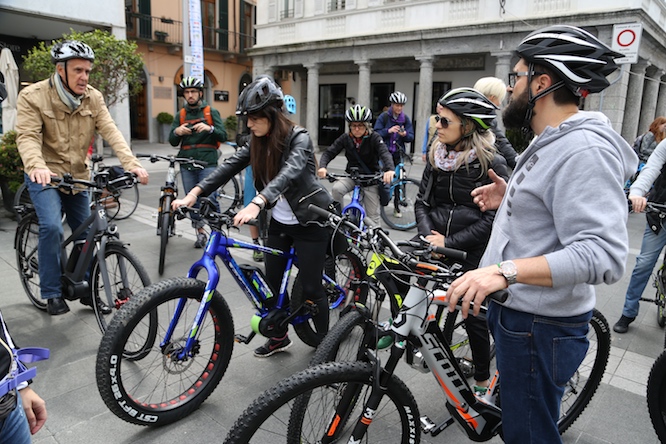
{"x":334,"y":53}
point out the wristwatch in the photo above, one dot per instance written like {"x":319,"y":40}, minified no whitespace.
{"x":509,"y":271}
{"x":212,"y":128}
{"x":258,"y":201}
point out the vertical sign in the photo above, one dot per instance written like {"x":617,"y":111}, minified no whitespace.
{"x":196,"y":40}
{"x":627,"y":40}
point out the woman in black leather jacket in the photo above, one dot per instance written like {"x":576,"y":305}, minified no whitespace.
{"x":445,"y":213}
{"x":283,"y":162}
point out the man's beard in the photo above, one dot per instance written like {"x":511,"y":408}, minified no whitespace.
{"x":514,"y":114}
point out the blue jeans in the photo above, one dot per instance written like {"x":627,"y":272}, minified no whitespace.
{"x":190,"y":179}
{"x":536,"y":356}
{"x":650,"y":249}
{"x":14,"y":429}
{"x":49,"y":203}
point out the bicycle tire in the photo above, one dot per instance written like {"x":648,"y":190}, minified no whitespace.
{"x":582,"y":386}
{"x":159,"y":389}
{"x":300,"y":408}
{"x":166,"y":222}
{"x":26,"y":244}
{"x":135,"y":275}
{"x":348,"y":268}
{"x":409,"y":188}
{"x":455,"y":332}
{"x":656,"y":396}
{"x":229,"y":195}
{"x":347,"y":340}
{"x":126,"y":201}
{"x":661,"y":298}
{"x":22,"y":197}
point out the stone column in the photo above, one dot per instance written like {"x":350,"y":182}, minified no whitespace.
{"x":502,"y":69}
{"x":269,"y":71}
{"x":661,"y":98}
{"x":363,"y":83}
{"x":650,"y":93}
{"x":632,"y":106}
{"x":425,"y":102}
{"x":312,"y":119}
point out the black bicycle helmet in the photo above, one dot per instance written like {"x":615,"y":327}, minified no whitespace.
{"x":578,"y":57}
{"x":358,"y":113}
{"x":71,"y":49}
{"x":191,"y":82}
{"x":259,"y":94}
{"x":469,"y":103}
{"x":398,"y":97}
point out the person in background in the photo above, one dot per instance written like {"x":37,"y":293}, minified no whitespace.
{"x":430,"y":135}
{"x":646,"y":143}
{"x":559,"y":229}
{"x":363,"y":150}
{"x":495,"y":90}
{"x":284,"y":166}
{"x":446,"y":215}
{"x":199,"y":136}
{"x":56,"y":119}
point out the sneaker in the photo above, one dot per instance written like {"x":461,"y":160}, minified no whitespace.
{"x":397,"y":213}
{"x":273,"y":346}
{"x":479,"y":391}
{"x":201,"y":240}
{"x":258,"y":256}
{"x":622,"y":325}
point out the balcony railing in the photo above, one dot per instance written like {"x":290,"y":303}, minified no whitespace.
{"x":164,"y":30}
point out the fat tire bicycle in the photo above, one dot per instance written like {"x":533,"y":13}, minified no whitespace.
{"x":399,"y":213}
{"x":100,"y":267}
{"x":656,"y":395}
{"x":364,"y":400}
{"x":185,"y":330}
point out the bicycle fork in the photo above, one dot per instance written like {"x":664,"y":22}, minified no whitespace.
{"x":104,"y":271}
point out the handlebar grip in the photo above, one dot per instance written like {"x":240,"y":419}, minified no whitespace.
{"x":499,"y":296}
{"x":452,"y":253}
{"x":320,"y":211}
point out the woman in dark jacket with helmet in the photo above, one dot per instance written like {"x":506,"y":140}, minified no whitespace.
{"x":445,"y":212}
{"x":283,"y":163}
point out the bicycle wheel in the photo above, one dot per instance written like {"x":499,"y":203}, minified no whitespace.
{"x":455,"y":331}
{"x":661,"y":298}
{"x":349,"y":270}
{"x":582,"y":386}
{"x":121,"y":204}
{"x":399,"y":213}
{"x":22,"y":197}
{"x":326,"y":401}
{"x":126,"y":276}
{"x":656,"y":396}
{"x":166,"y":223}
{"x":229,"y":195}
{"x":25,"y":243}
{"x":162,"y":388}
{"x":347,"y":340}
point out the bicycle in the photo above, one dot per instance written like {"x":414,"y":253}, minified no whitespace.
{"x":355,"y":211}
{"x":656,"y":395}
{"x":100,"y":267}
{"x":188,"y":349}
{"x":364,"y":400}
{"x":120,"y":203}
{"x":403,"y":191}
{"x":659,"y":281}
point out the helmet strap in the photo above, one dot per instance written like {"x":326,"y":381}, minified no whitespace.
{"x":531,"y":99}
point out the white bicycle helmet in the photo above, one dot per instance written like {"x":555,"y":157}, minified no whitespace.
{"x":398,"y":97}
{"x":358,"y":113}
{"x":290,"y":104}
{"x":71,"y":49}
{"x":191,"y":82}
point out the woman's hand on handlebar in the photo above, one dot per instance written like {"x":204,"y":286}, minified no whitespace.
{"x":141,"y":174}
{"x":187,"y":201}
{"x":388,"y":177}
{"x":247,"y":214}
{"x":321,"y":172}
{"x":474,"y":286}
{"x":638,"y":203}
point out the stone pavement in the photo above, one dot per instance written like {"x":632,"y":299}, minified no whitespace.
{"x":617,"y":414}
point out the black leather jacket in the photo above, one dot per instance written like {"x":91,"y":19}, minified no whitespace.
{"x":444,"y":204}
{"x":296,"y":180}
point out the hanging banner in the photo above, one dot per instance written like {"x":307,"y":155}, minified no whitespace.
{"x":196,"y":40}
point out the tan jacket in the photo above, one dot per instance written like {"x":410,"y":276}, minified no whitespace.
{"x":50,"y":135}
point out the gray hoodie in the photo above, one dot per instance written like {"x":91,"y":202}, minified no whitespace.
{"x":565,"y":201}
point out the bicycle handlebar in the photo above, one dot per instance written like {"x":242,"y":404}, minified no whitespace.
{"x":362,"y":179}
{"x":157,"y":157}
{"x":99,"y":182}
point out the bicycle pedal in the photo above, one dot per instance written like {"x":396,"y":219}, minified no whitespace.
{"x":242,"y":339}
{"x":427,"y":425}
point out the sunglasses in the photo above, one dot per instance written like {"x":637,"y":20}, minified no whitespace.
{"x":513,"y":76}
{"x":444,"y":122}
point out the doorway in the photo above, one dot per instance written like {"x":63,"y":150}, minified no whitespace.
{"x":139,"y":111}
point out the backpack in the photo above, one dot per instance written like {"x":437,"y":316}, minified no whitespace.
{"x":207,"y":117}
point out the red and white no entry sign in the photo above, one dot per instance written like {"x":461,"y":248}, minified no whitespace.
{"x":627,"y":40}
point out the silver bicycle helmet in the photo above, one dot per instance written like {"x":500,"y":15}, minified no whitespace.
{"x":259,"y":94}
{"x":191,"y":82}
{"x":358,"y":113}
{"x":470,"y":103}
{"x":398,"y":97}
{"x":71,"y":49}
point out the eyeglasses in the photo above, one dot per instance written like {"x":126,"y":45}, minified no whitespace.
{"x":444,"y":122}
{"x":357,"y":125}
{"x":513,"y":76}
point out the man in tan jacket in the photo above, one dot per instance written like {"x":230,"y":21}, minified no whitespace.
{"x":57,"y":118}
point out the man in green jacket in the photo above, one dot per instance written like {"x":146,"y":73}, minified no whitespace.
{"x":198,"y":133}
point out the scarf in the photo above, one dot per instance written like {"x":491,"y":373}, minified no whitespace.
{"x":447,"y":160}
{"x":400,"y":120}
{"x":67,"y":98}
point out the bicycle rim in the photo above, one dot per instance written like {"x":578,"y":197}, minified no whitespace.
{"x":403,"y":199}
{"x":661,"y":298}
{"x":27,"y":240}
{"x":229,"y":195}
{"x":126,"y":201}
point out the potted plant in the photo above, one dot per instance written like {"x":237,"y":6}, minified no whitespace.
{"x":11,"y":169}
{"x":231,"y":126}
{"x":164,"y":120}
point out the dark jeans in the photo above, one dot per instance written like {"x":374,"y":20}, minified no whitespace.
{"x":536,"y":357}
{"x":310,"y":243}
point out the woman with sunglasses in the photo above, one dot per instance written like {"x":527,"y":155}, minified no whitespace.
{"x":446,"y":215}
{"x":283,"y":162}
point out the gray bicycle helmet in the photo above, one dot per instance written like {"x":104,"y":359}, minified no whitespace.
{"x":358,"y":113}
{"x":398,"y":97}
{"x":71,"y":49}
{"x":191,"y":82}
{"x":578,"y":57}
{"x":469,"y":103}
{"x":259,"y":94}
